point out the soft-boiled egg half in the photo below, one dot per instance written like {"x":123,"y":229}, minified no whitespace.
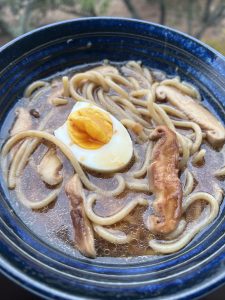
{"x":96,"y":138}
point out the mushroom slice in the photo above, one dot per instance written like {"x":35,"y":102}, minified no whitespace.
{"x":49,"y":168}
{"x":23,"y":121}
{"x":83,"y":232}
{"x":164,"y":181}
{"x":215,"y":132}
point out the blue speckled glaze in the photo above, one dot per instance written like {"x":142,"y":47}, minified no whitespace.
{"x":188,"y":274}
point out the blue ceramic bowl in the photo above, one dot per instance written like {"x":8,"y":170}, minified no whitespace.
{"x":190,"y":273}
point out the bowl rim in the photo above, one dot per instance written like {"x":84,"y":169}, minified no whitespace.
{"x":42,"y":290}
{"x":133,"y":20}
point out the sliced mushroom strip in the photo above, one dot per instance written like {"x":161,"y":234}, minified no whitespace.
{"x":164,"y":181}
{"x":83,"y":232}
{"x":23,"y":121}
{"x":49,"y":168}
{"x":215,"y":132}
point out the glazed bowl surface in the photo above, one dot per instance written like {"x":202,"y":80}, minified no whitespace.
{"x":189,"y":273}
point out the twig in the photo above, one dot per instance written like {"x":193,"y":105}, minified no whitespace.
{"x":215,"y":18}
{"x":190,"y":4}
{"x":206,"y":13}
{"x":25,"y":17}
{"x":132,"y":9}
{"x":162,"y":9}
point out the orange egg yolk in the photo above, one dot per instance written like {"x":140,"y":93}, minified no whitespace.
{"x":90,"y":128}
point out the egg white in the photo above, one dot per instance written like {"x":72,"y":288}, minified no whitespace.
{"x":111,"y":157}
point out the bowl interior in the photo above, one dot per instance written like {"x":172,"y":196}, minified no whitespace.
{"x":82,"y":42}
